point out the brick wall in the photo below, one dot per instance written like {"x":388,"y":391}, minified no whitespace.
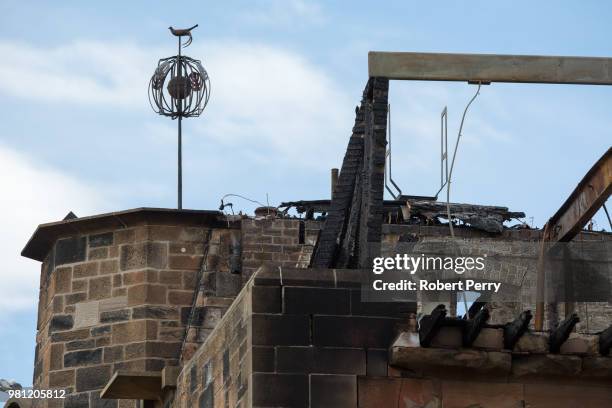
{"x":280,"y":242}
{"x":312,"y":337}
{"x":219,"y":374}
{"x":119,"y":299}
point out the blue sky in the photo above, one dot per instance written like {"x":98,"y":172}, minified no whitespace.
{"x":78,"y":133}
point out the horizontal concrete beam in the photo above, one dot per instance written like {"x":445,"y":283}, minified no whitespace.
{"x":490,"y":68}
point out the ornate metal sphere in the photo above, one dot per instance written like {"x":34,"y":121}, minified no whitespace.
{"x":179,"y":87}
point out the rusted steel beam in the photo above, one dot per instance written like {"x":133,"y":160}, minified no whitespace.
{"x":581,"y":205}
{"x":588,"y":197}
{"x":487,"y":68}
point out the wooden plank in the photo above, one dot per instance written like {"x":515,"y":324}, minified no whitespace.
{"x":144,"y":385}
{"x":490,"y":68}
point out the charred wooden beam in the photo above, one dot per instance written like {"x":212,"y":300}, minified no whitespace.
{"x":605,"y":341}
{"x":483,"y":217}
{"x":562,"y":332}
{"x":430,"y":324}
{"x":474,"y":326}
{"x":515,"y":329}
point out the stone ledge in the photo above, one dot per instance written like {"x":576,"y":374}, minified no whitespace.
{"x":407,"y":354}
{"x":272,"y":275}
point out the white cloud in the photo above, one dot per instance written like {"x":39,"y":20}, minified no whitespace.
{"x":75,"y":73}
{"x":32,"y":194}
{"x":263,"y":98}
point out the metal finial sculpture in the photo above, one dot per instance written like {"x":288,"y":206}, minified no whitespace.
{"x":179,"y":88}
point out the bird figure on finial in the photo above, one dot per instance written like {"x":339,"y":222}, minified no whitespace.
{"x":183,"y":32}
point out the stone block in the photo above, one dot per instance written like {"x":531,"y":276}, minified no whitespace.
{"x":301,"y":300}
{"x":163,"y":349}
{"x":109,"y":266}
{"x":180,"y":297}
{"x":339,"y":361}
{"x":377,"y":362}
{"x":280,"y":390}
{"x":63,"y":279}
{"x":80,"y":344}
{"x":263,"y":359}
{"x":80,"y":400}
{"x":99,"y":240}
{"x":294,"y":359}
{"x":155,"y":312}
{"x":96,"y":402}
{"x":228,"y":284}
{"x":100,"y":288}
{"x":378,"y":392}
{"x":543,"y":365}
{"x":100,"y":331}
{"x":60,"y":379}
{"x":103,"y":341}
{"x":581,"y":344}
{"x":597,"y":367}
{"x":56,"y":356}
{"x":92,"y":378}
{"x":382,"y":309}
{"x":142,"y":255}
{"x":114,"y":303}
{"x":353,"y":331}
{"x":489,"y":339}
{"x":447,"y":337}
{"x":566,"y":396}
{"x":171,"y":278}
{"x":185,"y":262}
{"x":134,"y":278}
{"x":420,"y":393}
{"x":133,"y":331}
{"x":532,"y":342}
{"x":83,"y":357}
{"x":61,"y":322}
{"x":74,"y":298}
{"x":266,"y":299}
{"x":115,"y":316}
{"x":113,"y":354}
{"x":435,"y":359}
{"x":280,"y":330}
{"x":97,"y":254}
{"x":125,"y":236}
{"x":70,"y":335}
{"x":80,"y":285}
{"x":308,"y":277}
{"x":465,"y":394}
{"x":146,"y":293}
{"x":70,"y":250}
{"x":85,"y":270}
{"x":338,"y":391}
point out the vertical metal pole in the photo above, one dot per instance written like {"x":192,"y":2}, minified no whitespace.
{"x":180,"y":165}
{"x":180,"y":135}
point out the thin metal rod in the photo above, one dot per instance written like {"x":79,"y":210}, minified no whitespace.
{"x":450,"y":173}
{"x":180,"y":164}
{"x":180,"y":134}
